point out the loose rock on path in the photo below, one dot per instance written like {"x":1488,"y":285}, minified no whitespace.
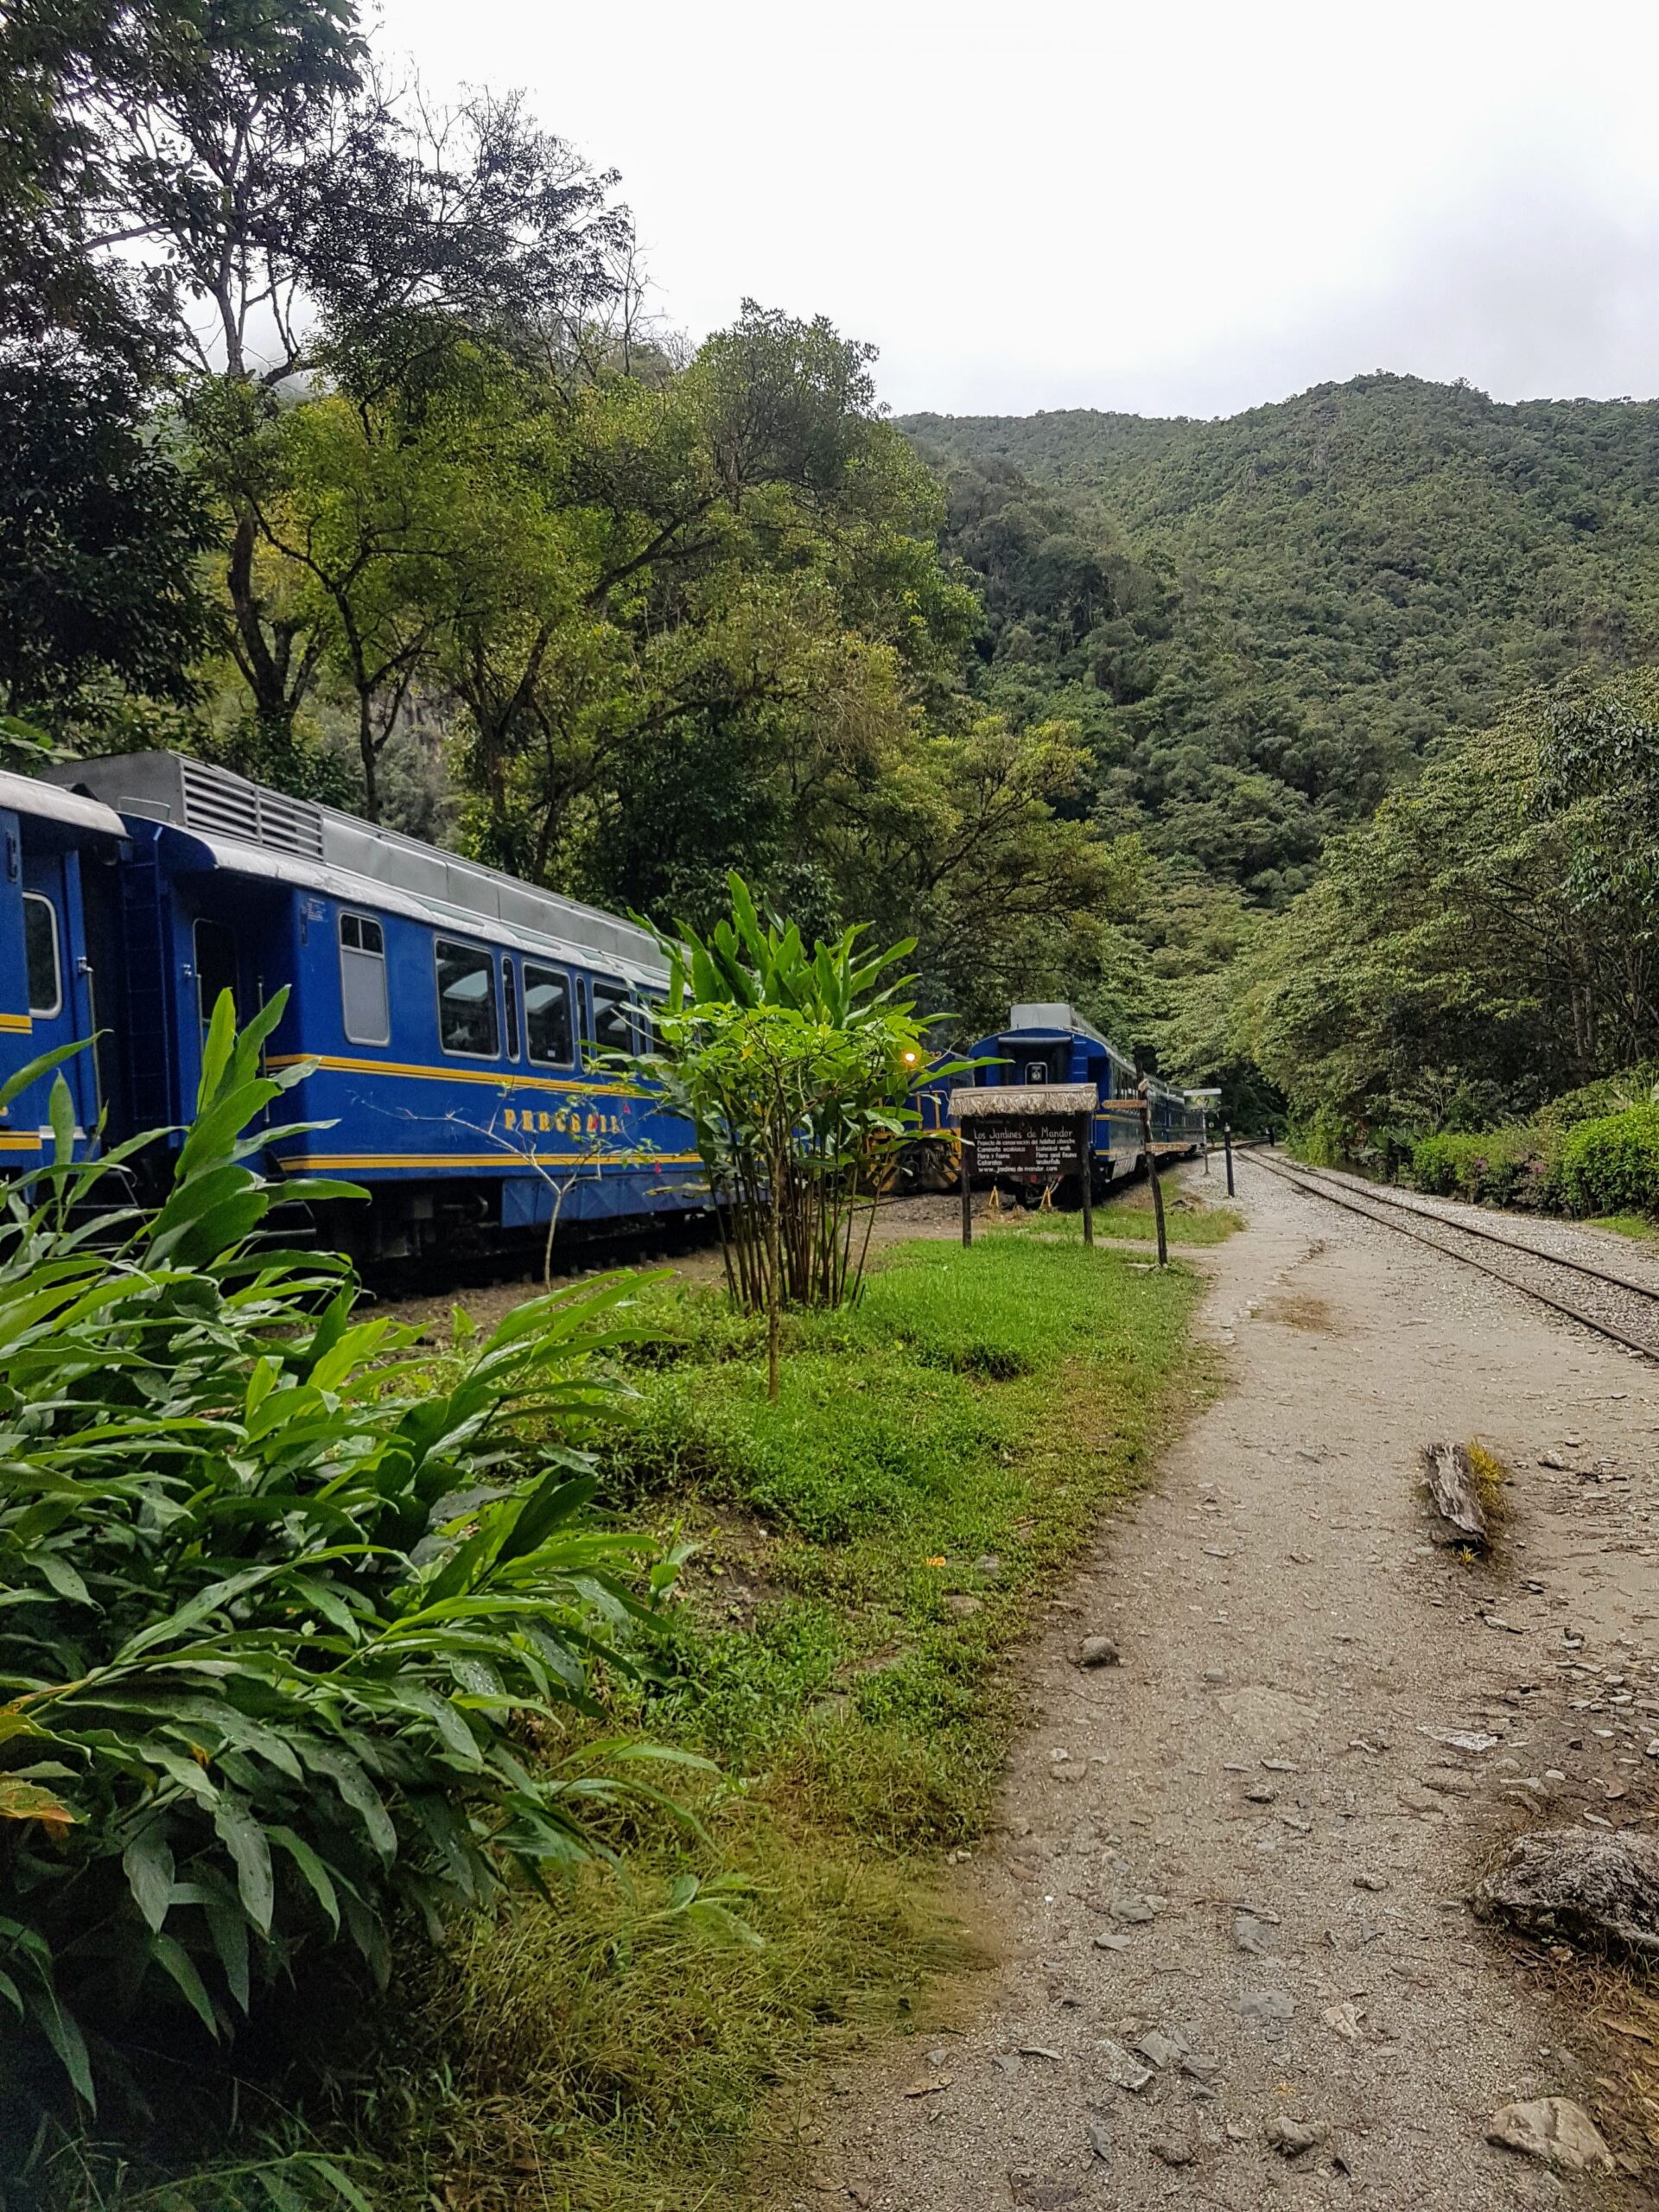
{"x":1233,"y":1869}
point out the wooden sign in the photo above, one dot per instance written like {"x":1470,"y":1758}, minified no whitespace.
{"x":1032,"y":1145}
{"x":1031,"y":1130}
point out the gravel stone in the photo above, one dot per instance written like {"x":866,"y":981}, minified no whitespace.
{"x":1555,"y":2130}
{"x":1290,"y":2137}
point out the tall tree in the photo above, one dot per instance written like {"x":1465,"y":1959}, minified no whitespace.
{"x":101,"y":539}
{"x":273,"y":194}
{"x":1487,"y":941}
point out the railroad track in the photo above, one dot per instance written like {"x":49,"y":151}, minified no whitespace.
{"x":1613,"y":1304}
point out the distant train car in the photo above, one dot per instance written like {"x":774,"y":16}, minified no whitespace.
{"x":1050,"y":1043}
{"x":456,"y":1020}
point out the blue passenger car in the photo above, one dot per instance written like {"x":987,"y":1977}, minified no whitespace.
{"x":457,"y":1022}
{"x":59,"y":956}
{"x":1051,"y":1043}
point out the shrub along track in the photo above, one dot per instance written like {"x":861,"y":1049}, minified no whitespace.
{"x":1617,"y":1306}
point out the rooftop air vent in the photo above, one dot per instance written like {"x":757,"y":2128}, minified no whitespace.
{"x":219,"y":805}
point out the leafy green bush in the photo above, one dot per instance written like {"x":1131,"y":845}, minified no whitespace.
{"x":1524,"y":1163}
{"x":1633,"y":1086}
{"x":795,"y":1070}
{"x":282,"y":1608}
{"x":1498,"y":1167}
{"x":1610,"y":1165}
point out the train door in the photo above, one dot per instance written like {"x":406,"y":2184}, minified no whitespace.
{"x":214,"y":963}
{"x":1036,"y":1064}
{"x":226,"y":953}
{"x":58,"y":974}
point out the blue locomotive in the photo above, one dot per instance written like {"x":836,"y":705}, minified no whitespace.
{"x":457,"y":1022}
{"x":1051,"y":1043}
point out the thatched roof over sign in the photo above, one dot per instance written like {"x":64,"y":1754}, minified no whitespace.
{"x":1040,"y":1098}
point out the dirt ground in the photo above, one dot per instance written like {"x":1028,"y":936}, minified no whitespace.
{"x":1238,"y":1862}
{"x":487,"y":1301}
{"x":897,"y":1221}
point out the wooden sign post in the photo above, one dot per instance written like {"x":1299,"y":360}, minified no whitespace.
{"x":1036,"y":1133}
{"x":1086,"y":1172}
{"x":1152,"y":1174}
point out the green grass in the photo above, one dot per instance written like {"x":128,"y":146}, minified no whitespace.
{"x":956,"y":1435}
{"x":1192,"y":1216}
{"x":975,"y":1406}
{"x":1641,"y":1226}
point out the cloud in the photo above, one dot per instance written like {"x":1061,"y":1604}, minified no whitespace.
{"x":1528,"y":284}
{"x":1093,"y":203}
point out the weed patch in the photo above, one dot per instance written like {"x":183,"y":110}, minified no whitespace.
{"x":1189,"y":1218}
{"x":593,"y":2060}
{"x":1300,"y":1312}
{"x":1492,"y":1476}
{"x":1642,"y":1227}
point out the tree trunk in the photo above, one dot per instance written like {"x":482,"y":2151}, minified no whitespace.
{"x":265,"y":656}
{"x":368,"y":753}
{"x":774,"y":1286}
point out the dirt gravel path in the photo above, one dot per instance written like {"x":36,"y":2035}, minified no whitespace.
{"x":1238,"y":1862}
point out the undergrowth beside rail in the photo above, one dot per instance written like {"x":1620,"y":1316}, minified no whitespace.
{"x":1192,"y":1216}
{"x":872,"y":1546}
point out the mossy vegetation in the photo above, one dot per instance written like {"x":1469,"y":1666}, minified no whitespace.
{"x":1492,"y":1478}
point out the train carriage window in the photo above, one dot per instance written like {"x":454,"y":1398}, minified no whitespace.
{"x":550,"y":1033}
{"x":364,"y":1004}
{"x":466,"y":1017}
{"x":42,"y":955}
{"x":509,"y":997}
{"x":215,"y":948}
{"x":612,"y":1030}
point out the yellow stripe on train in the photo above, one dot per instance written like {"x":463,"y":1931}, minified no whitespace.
{"x":507,"y":1160}
{"x":498,"y":1078}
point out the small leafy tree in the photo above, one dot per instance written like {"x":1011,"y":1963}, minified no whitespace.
{"x":795,"y":1068}
{"x":280,"y":1604}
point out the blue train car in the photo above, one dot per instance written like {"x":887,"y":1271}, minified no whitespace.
{"x":59,"y":957}
{"x":1051,"y":1043}
{"x":456,"y":1021}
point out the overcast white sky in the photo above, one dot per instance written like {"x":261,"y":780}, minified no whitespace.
{"x":1169,"y":209}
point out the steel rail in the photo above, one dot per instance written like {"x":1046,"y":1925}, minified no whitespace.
{"x":1649,"y":1350}
{"x":1491,"y":1236}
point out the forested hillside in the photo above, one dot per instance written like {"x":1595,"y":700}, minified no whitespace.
{"x":417,"y":509}
{"x":1264,"y":622}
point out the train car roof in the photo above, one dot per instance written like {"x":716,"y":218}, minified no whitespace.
{"x":48,"y":803}
{"x":1054,"y":1018}
{"x":248,"y":830}
{"x":1052,"y":1014}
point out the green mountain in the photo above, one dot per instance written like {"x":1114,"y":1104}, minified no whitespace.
{"x":1264,"y":622}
